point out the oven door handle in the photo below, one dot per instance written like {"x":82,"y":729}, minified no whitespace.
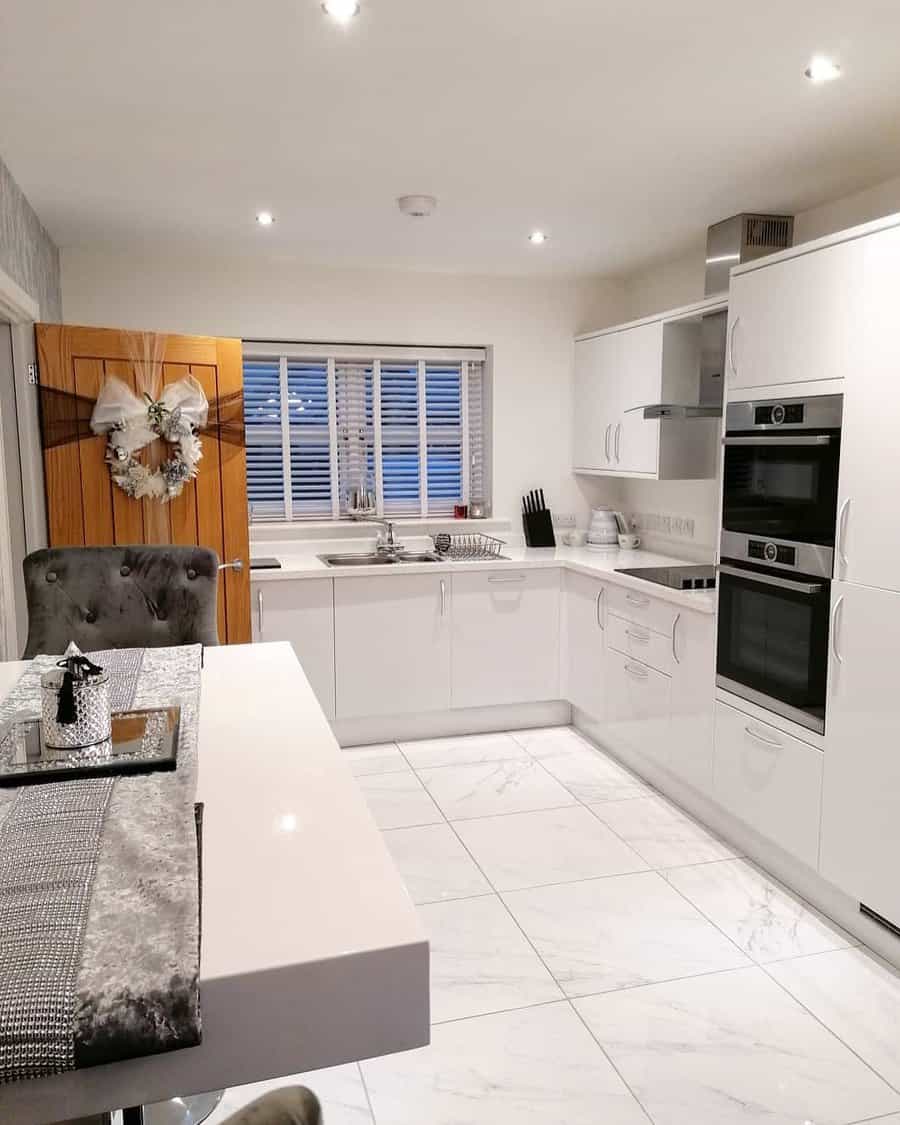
{"x":771,"y":580}
{"x":779,"y":439}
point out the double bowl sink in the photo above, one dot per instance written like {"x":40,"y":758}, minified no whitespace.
{"x":373,"y":559}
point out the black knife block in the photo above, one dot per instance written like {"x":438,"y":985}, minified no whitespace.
{"x":539,"y":528}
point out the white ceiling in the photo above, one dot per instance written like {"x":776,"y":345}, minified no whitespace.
{"x":622,"y":127}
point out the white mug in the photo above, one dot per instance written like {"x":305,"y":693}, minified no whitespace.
{"x":629,"y":542}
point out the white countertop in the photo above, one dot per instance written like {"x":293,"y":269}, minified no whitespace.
{"x":600,"y":564}
{"x":312,"y":952}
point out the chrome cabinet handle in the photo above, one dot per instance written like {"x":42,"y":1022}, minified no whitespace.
{"x":235,"y":564}
{"x":606,"y":447}
{"x":834,"y":627}
{"x":842,"y":535}
{"x":638,"y":600}
{"x":507,"y":578}
{"x":259,"y":613}
{"x":754,"y":734}
{"x":637,"y":671}
{"x":731,"y":364}
{"x":674,"y":631}
{"x":618,"y":436}
{"x":788,"y":438}
{"x":443,"y":596}
{"x":600,"y":624}
{"x":641,"y":638}
{"x":771,"y":580}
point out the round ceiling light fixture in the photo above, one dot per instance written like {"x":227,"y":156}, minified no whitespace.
{"x":265,"y":218}
{"x":342,"y":11}
{"x":822,"y":69}
{"x":417,"y":206}
{"x":537,"y":238}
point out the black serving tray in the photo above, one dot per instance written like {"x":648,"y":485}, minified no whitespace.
{"x":142,"y":741}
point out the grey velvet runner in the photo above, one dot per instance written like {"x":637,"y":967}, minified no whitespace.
{"x":99,"y":898}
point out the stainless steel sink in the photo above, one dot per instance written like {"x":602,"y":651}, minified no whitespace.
{"x":372,"y":559}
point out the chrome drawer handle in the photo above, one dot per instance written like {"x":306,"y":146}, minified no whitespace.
{"x":772,"y":742}
{"x":674,"y":634}
{"x":638,"y":600}
{"x":443,"y":596}
{"x":259,"y":612}
{"x":641,"y":638}
{"x":637,"y":671}
{"x":606,"y":448}
{"x":504,"y":578}
{"x":599,"y":610}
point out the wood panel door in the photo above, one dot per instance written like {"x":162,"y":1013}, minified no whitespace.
{"x":84,"y":507}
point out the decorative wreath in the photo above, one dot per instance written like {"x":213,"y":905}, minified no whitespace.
{"x":131,"y":424}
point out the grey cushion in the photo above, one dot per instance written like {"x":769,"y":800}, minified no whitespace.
{"x":120,"y":597}
{"x":291,"y":1105}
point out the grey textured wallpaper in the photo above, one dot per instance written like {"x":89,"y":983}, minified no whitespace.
{"x":27,"y":253}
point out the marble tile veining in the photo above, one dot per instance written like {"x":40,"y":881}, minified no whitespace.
{"x":765,"y":920}
{"x":340,"y":1091}
{"x":382,"y":758}
{"x":594,"y":777}
{"x":619,"y":932}
{"x":462,"y":750}
{"x":538,"y":1066}
{"x":548,"y":742}
{"x":399,"y":800}
{"x":660,"y":833}
{"x":732,"y":1049}
{"x":434,"y":864}
{"x":549,"y":846}
{"x":855,"y":994}
{"x":489,"y":788}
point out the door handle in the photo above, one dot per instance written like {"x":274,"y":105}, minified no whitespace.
{"x":731,"y":363}
{"x":606,"y":447}
{"x":637,"y":671}
{"x":771,"y":742}
{"x":443,"y":597}
{"x":259,"y":613}
{"x":771,"y":580}
{"x":235,"y":564}
{"x":599,"y":611}
{"x":674,"y":632}
{"x":842,"y":535}
{"x":638,"y":600}
{"x":510,"y":578}
{"x":834,"y":626}
{"x":618,"y":436}
{"x":641,"y":638}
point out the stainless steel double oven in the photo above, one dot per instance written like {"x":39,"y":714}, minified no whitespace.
{"x":780,"y":487}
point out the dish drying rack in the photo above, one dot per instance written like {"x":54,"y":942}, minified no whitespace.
{"x":467,"y":546}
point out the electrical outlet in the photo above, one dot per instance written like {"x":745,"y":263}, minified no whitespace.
{"x":564,"y":519}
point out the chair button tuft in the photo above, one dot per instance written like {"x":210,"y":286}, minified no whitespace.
{"x":124,"y":571}
{"x":51,"y":575}
{"x":192,"y":574}
{"x":90,"y":617}
{"x":161,"y":615}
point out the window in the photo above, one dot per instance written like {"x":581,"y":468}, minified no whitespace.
{"x":324,"y":424}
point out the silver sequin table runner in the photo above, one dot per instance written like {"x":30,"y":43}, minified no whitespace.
{"x":92,"y":869}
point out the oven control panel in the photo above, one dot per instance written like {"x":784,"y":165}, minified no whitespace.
{"x":771,"y":552}
{"x":779,"y":414}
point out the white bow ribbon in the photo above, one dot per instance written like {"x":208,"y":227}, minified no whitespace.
{"x":118,"y":407}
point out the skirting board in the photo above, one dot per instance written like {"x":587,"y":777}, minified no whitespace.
{"x":796,"y":876}
{"x":445,"y":724}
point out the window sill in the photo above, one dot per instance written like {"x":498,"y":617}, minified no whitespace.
{"x":303,"y":530}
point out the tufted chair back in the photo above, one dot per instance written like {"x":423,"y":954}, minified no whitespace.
{"x":120,"y":597}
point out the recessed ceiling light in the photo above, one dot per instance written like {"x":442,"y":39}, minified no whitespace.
{"x":265,"y":218}
{"x":341,"y":10}
{"x":822,"y":69}
{"x":537,"y":238}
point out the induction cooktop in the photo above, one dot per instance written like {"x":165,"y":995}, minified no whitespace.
{"x":677,"y":577}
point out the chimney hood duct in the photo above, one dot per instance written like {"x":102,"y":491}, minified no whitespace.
{"x":742,"y":238}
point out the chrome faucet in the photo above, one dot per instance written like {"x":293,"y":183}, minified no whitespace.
{"x":385,"y":544}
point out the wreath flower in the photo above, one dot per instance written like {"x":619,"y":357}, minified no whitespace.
{"x":131,"y":423}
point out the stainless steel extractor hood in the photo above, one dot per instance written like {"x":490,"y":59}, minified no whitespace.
{"x":742,"y":238}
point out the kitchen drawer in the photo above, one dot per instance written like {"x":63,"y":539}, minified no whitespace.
{"x":633,"y":605}
{"x":640,"y":642}
{"x":769,"y":779}
{"x":639,"y":706}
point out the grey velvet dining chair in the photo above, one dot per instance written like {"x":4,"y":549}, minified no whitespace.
{"x":120,"y":597}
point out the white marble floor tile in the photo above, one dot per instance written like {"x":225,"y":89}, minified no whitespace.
{"x":434,"y":864}
{"x":594,"y":777}
{"x":340,"y":1090}
{"x":480,"y":962}
{"x":660,"y":833}
{"x":612,"y":933}
{"x":539,"y":1066}
{"x":399,"y":800}
{"x":732,"y":1049}
{"x":551,"y":846}
{"x":462,"y":750}
{"x":548,"y":742}
{"x":761,"y":917}
{"x":854,"y":994}
{"x":489,"y":788}
{"x":383,"y":758}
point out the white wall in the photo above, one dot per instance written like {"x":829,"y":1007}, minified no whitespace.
{"x":529,"y":324}
{"x":679,"y":281}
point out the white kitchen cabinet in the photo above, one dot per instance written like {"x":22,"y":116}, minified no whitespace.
{"x":691,"y":729}
{"x":798,"y":320}
{"x":506,"y":627}
{"x":861,"y":799}
{"x":638,"y":707}
{"x":770,"y":780}
{"x":392,"y":644}
{"x":596,"y":388}
{"x":300,"y":611}
{"x":868,"y":539}
{"x":583,"y":645}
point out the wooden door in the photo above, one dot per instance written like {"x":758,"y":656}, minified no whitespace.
{"x":84,"y":507}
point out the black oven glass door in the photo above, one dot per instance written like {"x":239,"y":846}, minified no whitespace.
{"x":782,"y":486}
{"x":773,"y":640}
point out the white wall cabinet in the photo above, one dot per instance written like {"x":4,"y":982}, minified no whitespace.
{"x":596,"y":405}
{"x":583,"y":644}
{"x":301,"y":612}
{"x":392,"y":644}
{"x":506,"y":627}
{"x":861,"y":799}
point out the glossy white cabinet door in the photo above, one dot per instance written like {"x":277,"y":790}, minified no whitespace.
{"x":638,"y":707}
{"x":506,"y":627}
{"x":635,"y":441}
{"x":861,"y":803}
{"x":693,"y":699}
{"x":301,"y":612}
{"x":798,"y":320}
{"x":583,"y":643}
{"x":868,"y":538}
{"x":596,"y":367}
{"x":392,"y":644}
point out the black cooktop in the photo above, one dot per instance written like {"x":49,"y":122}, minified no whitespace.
{"x":678,"y":577}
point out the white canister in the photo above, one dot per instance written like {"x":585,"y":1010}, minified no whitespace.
{"x":92,"y":722}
